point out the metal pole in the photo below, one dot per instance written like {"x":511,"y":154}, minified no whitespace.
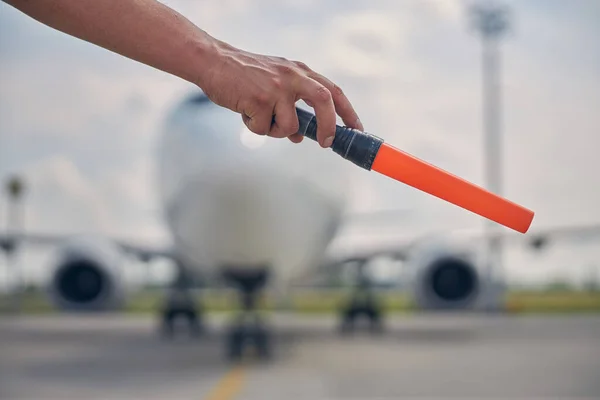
{"x":491,"y":23}
{"x":15,"y":221}
{"x":492,"y":143}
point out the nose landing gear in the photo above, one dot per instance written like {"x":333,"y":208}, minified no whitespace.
{"x":248,"y":330}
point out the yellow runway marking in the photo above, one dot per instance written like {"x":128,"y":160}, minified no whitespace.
{"x":229,"y":385}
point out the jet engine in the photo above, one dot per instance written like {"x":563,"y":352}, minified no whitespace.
{"x":85,"y":276}
{"x":445,"y":277}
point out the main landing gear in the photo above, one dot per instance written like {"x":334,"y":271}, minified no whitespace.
{"x":180,"y":305}
{"x":363,"y":303}
{"x":248,"y":330}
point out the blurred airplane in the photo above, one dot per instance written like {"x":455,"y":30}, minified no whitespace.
{"x":251,"y":211}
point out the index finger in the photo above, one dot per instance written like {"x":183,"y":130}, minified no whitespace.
{"x":342,"y":105}
{"x":322,"y":101}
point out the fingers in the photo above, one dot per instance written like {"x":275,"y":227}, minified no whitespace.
{"x":270,"y":108}
{"x":283,"y":124}
{"x":343,"y":107}
{"x":286,"y":120}
{"x":296,"y":138}
{"x":259,"y":122}
{"x":320,"y":97}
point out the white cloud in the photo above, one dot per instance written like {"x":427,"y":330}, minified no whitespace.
{"x":364,"y":43}
{"x":452,"y":10}
{"x":55,"y":185}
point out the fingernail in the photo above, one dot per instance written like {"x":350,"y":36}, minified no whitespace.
{"x":359,"y":124}
{"x":328,"y":141}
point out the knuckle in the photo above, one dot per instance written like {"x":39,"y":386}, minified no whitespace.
{"x":261,"y":98}
{"x":301,"y":65}
{"x":277,"y":83}
{"x":323,"y":94}
{"x":286,"y":69}
{"x":338,"y":90}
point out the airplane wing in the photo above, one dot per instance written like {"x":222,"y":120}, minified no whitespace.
{"x":539,"y":237}
{"x":360,"y":248}
{"x":145,"y":252}
{"x":357,"y":247}
{"x":352,"y":247}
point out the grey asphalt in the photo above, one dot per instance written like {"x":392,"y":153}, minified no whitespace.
{"x":418,"y":356}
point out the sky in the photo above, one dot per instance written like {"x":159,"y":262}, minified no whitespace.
{"x":81,"y":124}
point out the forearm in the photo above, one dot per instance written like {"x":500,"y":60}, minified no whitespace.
{"x":173,"y":44}
{"x":263,"y":89}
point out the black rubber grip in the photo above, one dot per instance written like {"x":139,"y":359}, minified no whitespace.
{"x":353,"y":145}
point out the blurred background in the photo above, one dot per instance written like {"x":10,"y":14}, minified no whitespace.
{"x":80,"y":125}
{"x":80,"y":128}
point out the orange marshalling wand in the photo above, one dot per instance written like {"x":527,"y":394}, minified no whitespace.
{"x":419,"y":174}
{"x":370,"y":152}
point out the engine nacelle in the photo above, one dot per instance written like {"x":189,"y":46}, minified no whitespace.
{"x":445,"y":277}
{"x":85,"y":276}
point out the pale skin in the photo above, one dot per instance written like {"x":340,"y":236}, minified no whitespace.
{"x":263,"y":89}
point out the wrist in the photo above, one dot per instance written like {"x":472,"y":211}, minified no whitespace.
{"x":206,"y":54}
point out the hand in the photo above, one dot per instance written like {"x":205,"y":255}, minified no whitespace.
{"x":265,"y":89}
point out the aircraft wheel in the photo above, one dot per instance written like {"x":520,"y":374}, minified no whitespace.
{"x":375,"y":319}
{"x":347,"y":321}
{"x":262,"y":343}
{"x":241,"y":338}
{"x":169,"y":318}
{"x":235,"y":344}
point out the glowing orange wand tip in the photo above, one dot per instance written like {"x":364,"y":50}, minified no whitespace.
{"x":421,"y":175}
{"x":371,"y":153}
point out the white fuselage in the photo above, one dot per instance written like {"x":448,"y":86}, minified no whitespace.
{"x":235,"y":199}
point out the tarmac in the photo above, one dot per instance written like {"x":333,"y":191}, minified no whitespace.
{"x":417,"y":356}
